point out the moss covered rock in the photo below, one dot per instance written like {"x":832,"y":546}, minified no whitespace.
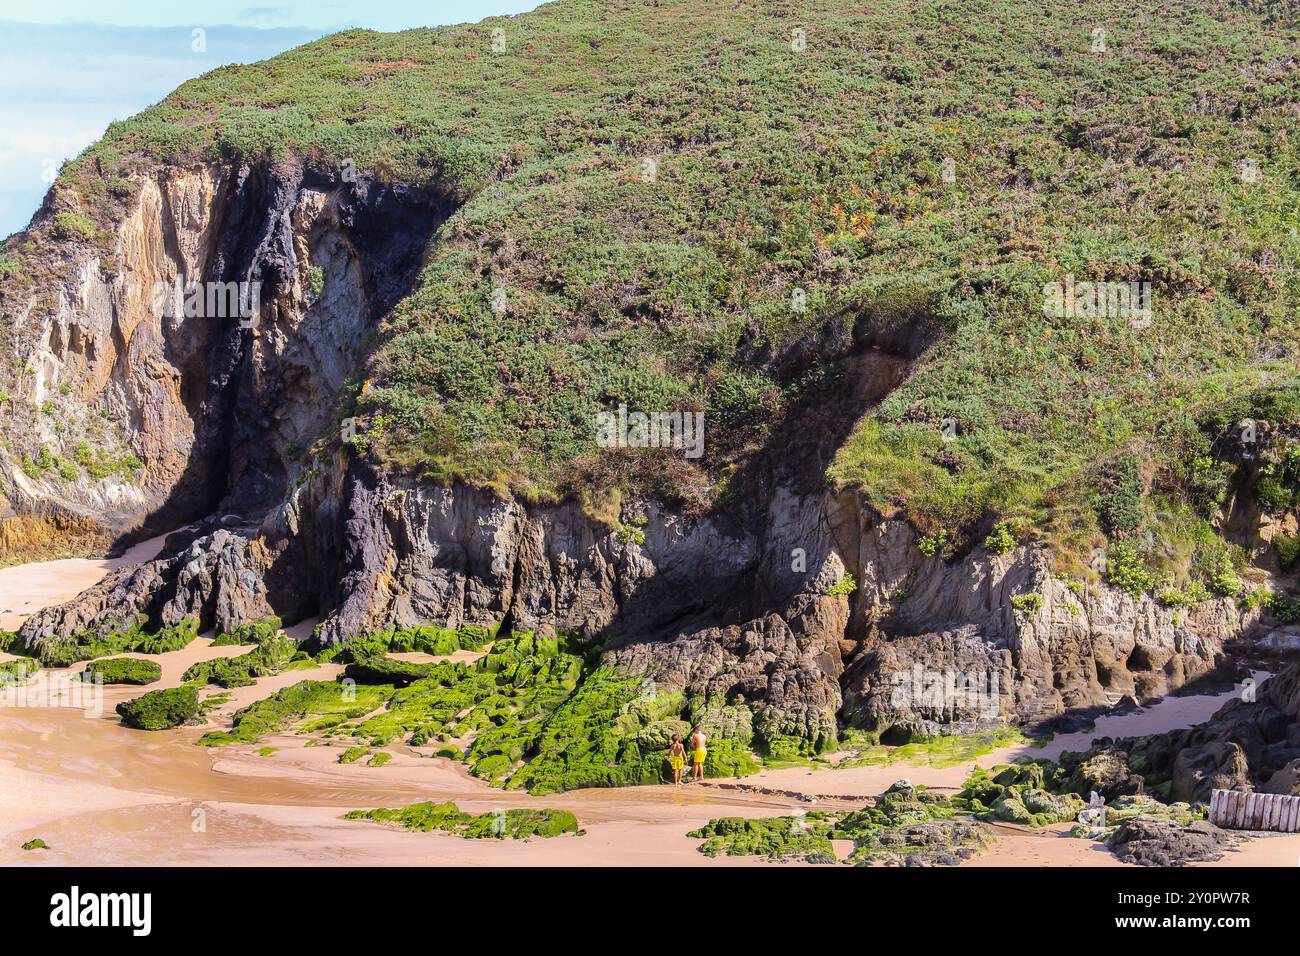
{"x":777,"y":839}
{"x":16,"y":673}
{"x":271,"y":655}
{"x":161,"y":709}
{"x":253,"y":632}
{"x":499,"y":825}
{"x":123,"y":670}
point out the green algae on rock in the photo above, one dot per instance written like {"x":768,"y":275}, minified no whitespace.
{"x":271,"y":655}
{"x":251,"y":632}
{"x":16,"y":673}
{"x":907,"y":825}
{"x":1032,"y":794}
{"x":123,"y":670}
{"x":88,"y":644}
{"x":304,"y":700}
{"x":498,"y":824}
{"x":161,"y":709}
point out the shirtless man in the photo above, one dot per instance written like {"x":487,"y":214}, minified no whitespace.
{"x":698,"y":752}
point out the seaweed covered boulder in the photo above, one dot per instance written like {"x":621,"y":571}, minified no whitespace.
{"x":905,"y":826}
{"x":382,"y":669}
{"x":1030,"y":794}
{"x":937,"y":843}
{"x":250,"y":632}
{"x":803,"y":838}
{"x":123,"y":670}
{"x":1148,"y":841}
{"x":499,"y":824}
{"x":15,"y":673}
{"x":161,"y":709}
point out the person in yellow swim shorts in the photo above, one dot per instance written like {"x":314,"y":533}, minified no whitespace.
{"x":677,"y":759}
{"x":699,"y":751}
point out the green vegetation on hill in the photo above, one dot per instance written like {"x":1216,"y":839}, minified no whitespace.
{"x":656,"y":199}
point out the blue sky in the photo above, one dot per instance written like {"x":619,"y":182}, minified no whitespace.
{"x":71,"y":67}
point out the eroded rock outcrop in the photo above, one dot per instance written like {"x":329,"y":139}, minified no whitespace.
{"x":1247,"y":744}
{"x":701,"y":604}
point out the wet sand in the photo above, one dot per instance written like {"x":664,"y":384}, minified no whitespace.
{"x":102,"y":794}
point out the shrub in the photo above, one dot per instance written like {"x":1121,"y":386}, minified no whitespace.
{"x":844,"y":586}
{"x":270,"y":657}
{"x":72,"y":226}
{"x":499,"y":824}
{"x":1000,"y":539}
{"x":16,"y":673}
{"x":1127,"y":570}
{"x":253,"y":632}
{"x":933,"y":544}
{"x":1028,"y":604}
{"x":1217,"y":567}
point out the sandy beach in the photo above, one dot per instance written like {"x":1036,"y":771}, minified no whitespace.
{"x":99,"y":793}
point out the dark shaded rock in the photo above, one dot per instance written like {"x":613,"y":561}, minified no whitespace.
{"x":1285,"y":781}
{"x":1105,"y":771}
{"x":1198,"y":771}
{"x":1150,"y":842}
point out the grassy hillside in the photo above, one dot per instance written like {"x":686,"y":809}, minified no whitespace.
{"x":669,"y":193}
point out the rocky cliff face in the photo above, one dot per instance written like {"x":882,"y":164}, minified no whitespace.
{"x":209,"y":344}
{"x":748,"y":603}
{"x":698,"y":604}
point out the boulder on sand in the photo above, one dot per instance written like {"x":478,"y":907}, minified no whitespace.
{"x":1148,"y":841}
{"x":1105,"y":771}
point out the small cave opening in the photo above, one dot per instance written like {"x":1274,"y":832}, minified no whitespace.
{"x":895,"y":736}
